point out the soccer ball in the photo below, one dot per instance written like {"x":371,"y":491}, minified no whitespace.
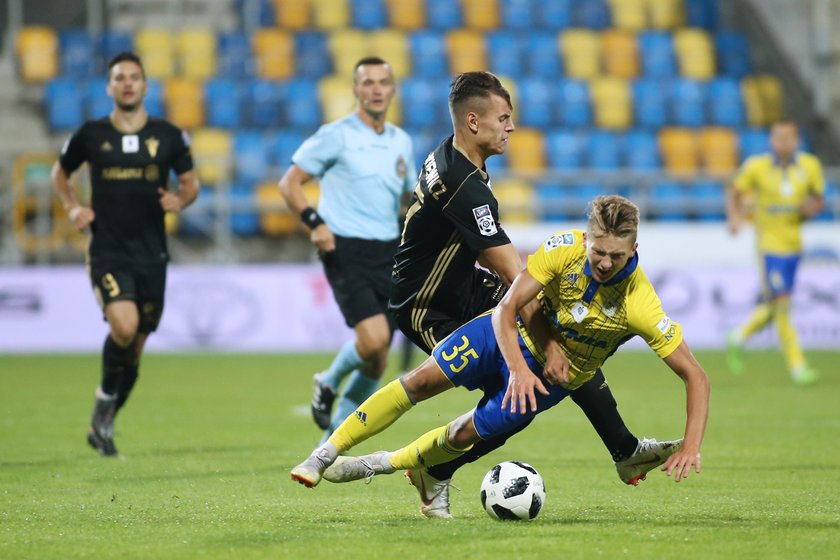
{"x":513,"y":490}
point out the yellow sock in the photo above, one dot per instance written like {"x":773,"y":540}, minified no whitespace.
{"x":432,"y":448}
{"x":378,"y":412}
{"x":787,"y":335}
{"x":759,"y":319}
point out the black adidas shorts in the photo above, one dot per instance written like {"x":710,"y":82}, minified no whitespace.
{"x":143,"y":284}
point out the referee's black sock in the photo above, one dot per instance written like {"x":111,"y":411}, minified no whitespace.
{"x":116,"y":362}
{"x":597,"y":402}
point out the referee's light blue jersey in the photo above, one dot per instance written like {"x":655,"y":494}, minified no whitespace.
{"x":363,"y":176}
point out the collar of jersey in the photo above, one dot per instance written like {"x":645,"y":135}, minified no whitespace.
{"x":793,"y":160}
{"x":622,"y":274}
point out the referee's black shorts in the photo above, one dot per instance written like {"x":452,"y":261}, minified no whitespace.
{"x":359,"y":272}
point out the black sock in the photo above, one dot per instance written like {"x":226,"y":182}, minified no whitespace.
{"x":128,"y":381}
{"x":596,"y":400}
{"x":116,"y":361}
{"x":445,"y":471}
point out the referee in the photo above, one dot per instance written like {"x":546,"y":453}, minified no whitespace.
{"x":130,"y":156}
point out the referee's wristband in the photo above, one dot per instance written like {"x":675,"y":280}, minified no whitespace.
{"x":311,"y":218}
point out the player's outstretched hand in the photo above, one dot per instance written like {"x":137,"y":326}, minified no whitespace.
{"x":680,"y":464}
{"x":520,"y":391}
{"x":169,"y":201}
{"x":81,"y":216}
{"x":556,"y":368}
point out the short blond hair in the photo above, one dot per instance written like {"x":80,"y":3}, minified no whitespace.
{"x":613,"y":215}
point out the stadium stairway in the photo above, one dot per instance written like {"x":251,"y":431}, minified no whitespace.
{"x":23,"y":126}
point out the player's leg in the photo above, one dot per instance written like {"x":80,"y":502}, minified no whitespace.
{"x":758,"y":320}
{"x":781,"y":290}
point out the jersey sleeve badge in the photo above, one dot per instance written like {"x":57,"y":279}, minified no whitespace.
{"x":559,"y":239}
{"x":485,"y":221}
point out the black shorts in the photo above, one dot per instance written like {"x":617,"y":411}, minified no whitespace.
{"x":359,"y":273}
{"x":486,"y":294}
{"x":143,"y":284}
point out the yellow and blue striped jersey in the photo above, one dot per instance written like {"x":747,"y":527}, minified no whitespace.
{"x":779,"y":192}
{"x":595,"y":319}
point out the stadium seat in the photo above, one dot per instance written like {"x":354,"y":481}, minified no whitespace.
{"x":592,"y":14}
{"x":313,"y":59}
{"x":295,"y":15}
{"x":678,"y":147}
{"x":504,"y":49}
{"x":553,"y":202}
{"x":733,"y":54}
{"x":393,"y":46}
{"x":112,"y":42}
{"x":444,"y":14}
{"x":346,"y":47}
{"x":274,"y":53}
{"x":650,"y":102}
{"x":156,"y":48}
{"x":481,"y":15}
{"x":264,"y":103}
{"x":581,"y":49}
{"x":620,"y":53}
{"x":708,"y":200}
{"x":336,"y":96}
{"x":234,"y":55}
{"x":211,"y":151}
{"x":302,"y":107}
{"x":536,"y":98}
{"x":688,"y":102}
{"x":762,"y":99}
{"x":223,"y":100}
{"x":497,"y":165}
{"x":565,"y":149}
{"x":64,"y":98}
{"x":330,"y":15}
{"x":669,"y":201}
{"x":197,"y":53}
{"x":666,"y":14}
{"x":155,"y":105}
{"x":517,"y":201}
{"x":465,"y":50}
{"x":77,"y":50}
{"x":250,"y":156}
{"x":832,"y":203}
{"x":573,"y":107}
{"x":428,"y":54}
{"x":518,"y":14}
{"x":369,"y":14}
{"x":612,"y":103}
{"x":199,"y":221}
{"x":37,"y":51}
{"x":604,"y":150}
{"x":283,"y":146}
{"x":701,"y":13}
{"x":719,"y":150}
{"x":580,"y":195}
{"x":425,"y":141}
{"x":184,"y":99}
{"x":526,"y":151}
{"x":641,"y":150}
{"x":244,"y":220}
{"x":99,"y":103}
{"x":555,"y":15}
{"x":725,"y":105}
{"x":275,"y":217}
{"x":753,"y":141}
{"x":657,"y":54}
{"x":543,"y":60}
{"x":408,"y":15}
{"x":629,"y":15}
{"x":695,"y":53}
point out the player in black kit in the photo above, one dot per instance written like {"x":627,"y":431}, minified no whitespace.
{"x":130,"y":156}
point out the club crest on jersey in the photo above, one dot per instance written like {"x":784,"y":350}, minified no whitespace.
{"x":559,"y":239}
{"x":485,"y":221}
{"x":152,"y":144}
{"x":402,"y":168}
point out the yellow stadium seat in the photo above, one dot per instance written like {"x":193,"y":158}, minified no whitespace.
{"x":513,"y":89}
{"x":39,"y":222}
{"x":581,"y":49}
{"x":753,"y":102}
{"x":620,"y":52}
{"x":274,"y":50}
{"x":395,"y":111}
{"x":630,"y":15}
{"x":275,"y":217}
{"x":331,"y":14}
{"x":517,"y":201}
{"x":409,"y":15}
{"x":666,"y":14}
{"x":211,"y":150}
{"x":772,"y":97}
{"x":184,"y":100}
{"x":466,"y":50}
{"x":336,"y":96}
{"x":295,"y":15}
{"x":719,"y":150}
{"x":612,"y":103}
{"x":347,"y":46}
{"x":695,"y":53}
{"x":37,"y":50}
{"x":678,"y":147}
{"x":480,"y":14}
{"x":156,"y":48}
{"x":197,"y":52}
{"x":392,"y":45}
{"x":526,"y":151}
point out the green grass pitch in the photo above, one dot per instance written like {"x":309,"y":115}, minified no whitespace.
{"x":209,"y":441}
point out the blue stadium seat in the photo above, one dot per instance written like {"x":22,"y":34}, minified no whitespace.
{"x":265,"y":100}
{"x":641,"y":150}
{"x":428,"y":54}
{"x":580,"y":197}
{"x":753,"y":141}
{"x":543,"y":58}
{"x":154,"y":99}
{"x":688,"y":102}
{"x":733,"y":52}
{"x":650,"y":102}
{"x":832,"y":203}
{"x":250,"y":156}
{"x":312,"y":58}
{"x":99,"y":103}
{"x":517,"y":14}
{"x":369,"y":14}
{"x":505,"y":50}
{"x":553,"y":201}
{"x":725,"y":105}
{"x":592,"y":14}
{"x":444,"y":14}
{"x":555,"y":15}
{"x":111,"y":43}
{"x":65,"y":103}
{"x":701,"y":13}
{"x":223,"y":102}
{"x":669,"y":201}
{"x":425,"y":140}
{"x":234,"y":55}
{"x":283,"y":147}
{"x":243,"y":221}
{"x":604,"y":150}
{"x":573,"y":104}
{"x":78,"y":53}
{"x":497,"y":164}
{"x":425,"y":101}
{"x":708,"y":198}
{"x":303,"y":109}
{"x":565,"y":149}
{"x":199,"y":220}
{"x":656,"y":50}
{"x":536,"y":99}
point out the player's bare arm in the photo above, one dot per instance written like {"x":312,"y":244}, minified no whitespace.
{"x":684,"y":364}
{"x":734,"y":209}
{"x":185,"y":195}
{"x":291,"y":187}
{"x":811,"y":207}
{"x":81,"y":216}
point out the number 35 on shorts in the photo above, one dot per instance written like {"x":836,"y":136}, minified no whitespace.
{"x":459,"y":356}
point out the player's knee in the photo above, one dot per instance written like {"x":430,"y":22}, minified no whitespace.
{"x":461,"y":433}
{"x":123,"y":332}
{"x":425,"y":381}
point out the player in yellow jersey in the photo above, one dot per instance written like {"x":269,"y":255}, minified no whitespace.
{"x":786,"y":188}
{"x":596,"y":297}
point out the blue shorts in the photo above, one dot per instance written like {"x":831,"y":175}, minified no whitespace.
{"x":470,"y":358}
{"x":779,"y":274}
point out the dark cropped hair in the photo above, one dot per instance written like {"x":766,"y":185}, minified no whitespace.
{"x":470,"y":85}
{"x":126,"y":56}
{"x":613,"y":215}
